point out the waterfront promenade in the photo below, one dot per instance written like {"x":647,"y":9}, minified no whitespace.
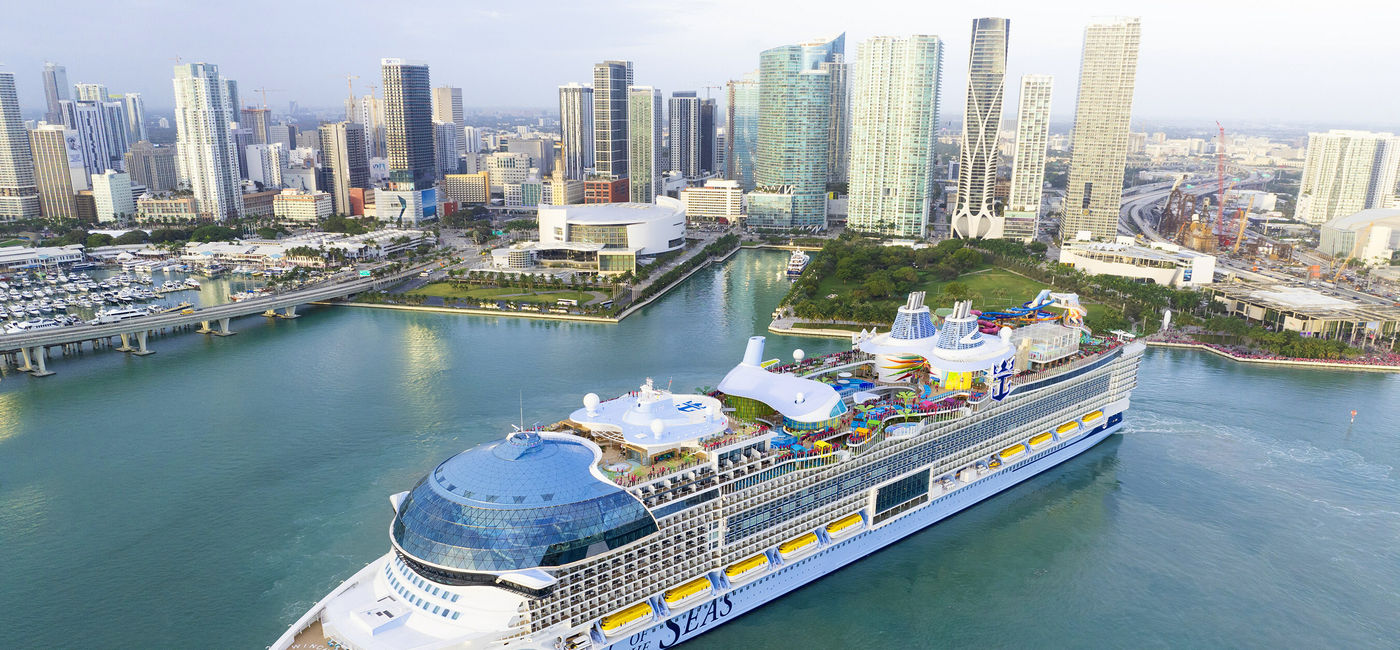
{"x":29,"y":351}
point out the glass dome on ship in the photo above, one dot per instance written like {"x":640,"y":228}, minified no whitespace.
{"x":528,"y":501}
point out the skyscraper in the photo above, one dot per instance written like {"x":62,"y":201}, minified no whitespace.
{"x":55,"y":90}
{"x":893,"y":129}
{"x":135,"y":118}
{"x":975,"y":214}
{"x":408,"y":123}
{"x":1345,"y":172}
{"x":369,"y":111}
{"x":838,"y":149}
{"x":611,"y":79}
{"x":111,"y":191}
{"x":576,"y":129}
{"x":644,"y":143}
{"x":259,"y":122}
{"x":89,"y":124}
{"x":204,"y":146}
{"x":19,"y":195}
{"x":445,"y":147}
{"x":447,"y":108}
{"x":85,"y":92}
{"x":741,"y":135}
{"x":684,"y":129}
{"x":1101,"y":115}
{"x":232,"y":100}
{"x":790,"y":173}
{"x":343,"y":153}
{"x":52,"y":174}
{"x":1028,"y":169}
{"x":708,"y":160}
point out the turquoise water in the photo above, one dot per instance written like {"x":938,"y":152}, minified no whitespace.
{"x":209,"y":494}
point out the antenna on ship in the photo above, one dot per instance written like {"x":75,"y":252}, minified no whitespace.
{"x":522,"y":409}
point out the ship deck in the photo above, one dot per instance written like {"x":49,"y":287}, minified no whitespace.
{"x":312,"y":637}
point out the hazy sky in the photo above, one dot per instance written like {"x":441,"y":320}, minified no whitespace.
{"x":1327,"y":62}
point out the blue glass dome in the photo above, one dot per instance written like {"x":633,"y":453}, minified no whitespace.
{"x":526,"y":501}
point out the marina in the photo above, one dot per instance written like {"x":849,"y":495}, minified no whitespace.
{"x":1196,"y":509}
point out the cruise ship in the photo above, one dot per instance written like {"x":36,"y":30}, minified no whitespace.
{"x":645,"y":520}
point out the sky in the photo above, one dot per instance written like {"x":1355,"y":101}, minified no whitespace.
{"x":1324,"y":63}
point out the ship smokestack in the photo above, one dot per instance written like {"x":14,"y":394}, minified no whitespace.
{"x":753,"y":355}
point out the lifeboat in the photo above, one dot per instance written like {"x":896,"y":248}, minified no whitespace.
{"x":994,"y":463}
{"x":1091,"y":417}
{"x":679,"y":595}
{"x":797,"y":546}
{"x":626,"y":620}
{"x":747,"y":569}
{"x":845,"y":526}
{"x":1040,"y":440}
{"x":1013,"y":452}
{"x":1067,"y":430}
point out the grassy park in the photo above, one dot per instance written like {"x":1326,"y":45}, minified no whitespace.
{"x":452,"y":291}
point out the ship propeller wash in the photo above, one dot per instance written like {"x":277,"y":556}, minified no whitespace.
{"x":644,"y":520}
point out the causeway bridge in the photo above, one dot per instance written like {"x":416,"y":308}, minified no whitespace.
{"x":28,"y":350}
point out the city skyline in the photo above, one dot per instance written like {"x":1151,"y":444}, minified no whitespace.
{"x":1176,"y":43}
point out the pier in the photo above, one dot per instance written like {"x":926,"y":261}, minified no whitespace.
{"x":29,"y":351}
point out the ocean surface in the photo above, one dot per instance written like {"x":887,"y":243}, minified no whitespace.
{"x":209,"y":494}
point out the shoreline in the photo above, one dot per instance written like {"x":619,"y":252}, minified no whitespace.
{"x":578,"y":318}
{"x":815,"y":332}
{"x":1300,"y":363}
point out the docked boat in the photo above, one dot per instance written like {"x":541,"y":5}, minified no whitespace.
{"x":648,"y":518}
{"x":117,"y":315}
{"x":797,"y":263}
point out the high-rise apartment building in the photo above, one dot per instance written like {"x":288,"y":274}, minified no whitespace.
{"x":644,"y":144}
{"x":19,"y":195}
{"x":445,"y":147}
{"x":85,"y":92}
{"x":369,"y":111}
{"x":52,"y":173}
{"x":1345,"y":172}
{"x":741,"y":134}
{"x":55,"y":90}
{"x":611,"y":79}
{"x":408,"y":123}
{"x":286,"y":134}
{"x":89,"y":125}
{"x":343,"y":153}
{"x":1022,"y":215}
{"x":111,"y":191}
{"x":540,"y":151}
{"x":684,"y":130}
{"x":1101,"y":115}
{"x":794,"y":134}
{"x":447,"y":108}
{"x":135,"y":118}
{"x":153,"y":166}
{"x":838,"y":147}
{"x":265,"y":162}
{"x":507,"y":168}
{"x":233,"y":101}
{"x":893,"y":129}
{"x":259,"y":122}
{"x":975,"y":214}
{"x":576,"y":129}
{"x":204,"y":145}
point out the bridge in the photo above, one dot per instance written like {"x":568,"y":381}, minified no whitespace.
{"x":30,"y":349}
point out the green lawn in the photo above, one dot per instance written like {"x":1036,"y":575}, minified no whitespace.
{"x":12,"y":242}
{"x":991,"y":288}
{"x":449,"y":291}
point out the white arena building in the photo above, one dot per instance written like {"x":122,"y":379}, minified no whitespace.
{"x":1371,"y":236}
{"x":608,"y":237}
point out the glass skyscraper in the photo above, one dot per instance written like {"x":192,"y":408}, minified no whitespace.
{"x":741,"y":137}
{"x":975,"y":214}
{"x":611,"y":80}
{"x":408,"y":123}
{"x":794,"y":137}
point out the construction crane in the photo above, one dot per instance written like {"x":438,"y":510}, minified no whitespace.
{"x":264,"y":91}
{"x":1244,"y":220}
{"x":350,"y":96}
{"x":707,"y":90}
{"x":1355,"y":244}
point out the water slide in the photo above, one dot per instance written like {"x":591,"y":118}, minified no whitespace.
{"x":1034,"y":311}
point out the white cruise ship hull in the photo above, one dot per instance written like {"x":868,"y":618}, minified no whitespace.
{"x":727,"y":605}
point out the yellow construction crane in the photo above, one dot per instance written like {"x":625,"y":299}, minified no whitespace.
{"x":1355,"y":244}
{"x":1244,"y":220}
{"x":264,"y":91}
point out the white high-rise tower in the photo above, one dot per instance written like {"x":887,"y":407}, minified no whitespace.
{"x":1101,"y":115}
{"x":1345,"y":172}
{"x":576,"y":129}
{"x":893,"y":128}
{"x":1028,"y":170}
{"x":974,"y":214}
{"x":207,"y":160}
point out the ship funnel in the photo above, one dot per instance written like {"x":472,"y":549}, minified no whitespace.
{"x":753,"y":355}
